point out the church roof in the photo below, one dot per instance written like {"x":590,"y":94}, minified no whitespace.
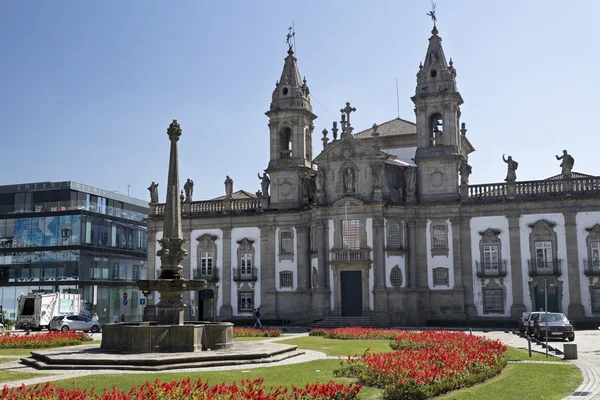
{"x":240,"y":194}
{"x":396,"y":126}
{"x":573,"y":174}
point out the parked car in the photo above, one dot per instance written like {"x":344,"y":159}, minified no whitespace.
{"x":523,"y":322}
{"x":532,"y":318}
{"x":557,"y":326}
{"x":74,"y":323}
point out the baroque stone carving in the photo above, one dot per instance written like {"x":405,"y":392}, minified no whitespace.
{"x":153,"y":192}
{"x":511,"y":174}
{"x":189,"y":190}
{"x":264,"y":184}
{"x":228,"y":187}
{"x":349,"y":183}
{"x":566,"y":165}
{"x":465,"y":170}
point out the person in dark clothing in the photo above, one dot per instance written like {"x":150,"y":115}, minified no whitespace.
{"x":257,"y":316}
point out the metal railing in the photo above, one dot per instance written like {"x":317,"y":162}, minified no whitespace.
{"x":245,"y":274}
{"x":544,"y":268}
{"x":491,"y":269}
{"x":591,"y":268}
{"x":209,"y":275}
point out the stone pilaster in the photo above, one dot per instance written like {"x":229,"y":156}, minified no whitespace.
{"x":321,"y":292}
{"x":422,"y":254}
{"x":575,"y":310}
{"x":516,"y":269}
{"x":379,"y":290}
{"x":226,"y":312}
{"x":411,"y":262}
{"x":464,"y":264}
{"x":268,"y":291}
{"x":303,"y":256}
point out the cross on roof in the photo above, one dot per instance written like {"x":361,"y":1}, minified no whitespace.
{"x":347,"y":111}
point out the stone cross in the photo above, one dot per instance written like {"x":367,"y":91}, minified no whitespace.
{"x":347,"y":111}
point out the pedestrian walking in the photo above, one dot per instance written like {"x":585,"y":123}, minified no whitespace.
{"x":257,"y":315}
{"x":116,"y":318}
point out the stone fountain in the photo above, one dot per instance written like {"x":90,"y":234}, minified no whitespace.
{"x":169,"y":333}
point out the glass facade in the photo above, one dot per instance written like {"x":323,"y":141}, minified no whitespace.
{"x":64,"y":240}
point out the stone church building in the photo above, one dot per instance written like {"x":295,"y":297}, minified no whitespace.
{"x":383,"y":223}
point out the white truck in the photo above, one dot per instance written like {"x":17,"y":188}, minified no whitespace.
{"x":36,"y":310}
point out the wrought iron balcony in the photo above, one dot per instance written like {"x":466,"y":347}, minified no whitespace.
{"x":591,"y":268}
{"x":491,"y":269}
{"x":245,"y":274}
{"x":209,"y":275}
{"x":544,"y":268}
{"x":350,"y":256}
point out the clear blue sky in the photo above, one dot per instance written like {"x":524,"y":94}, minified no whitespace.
{"x":88,"y":89}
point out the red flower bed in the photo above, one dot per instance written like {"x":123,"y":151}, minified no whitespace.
{"x":426,"y":364}
{"x":42,"y":340}
{"x":186,"y":389}
{"x":253,"y":332}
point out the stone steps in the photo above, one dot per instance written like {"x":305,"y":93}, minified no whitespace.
{"x":340,"y":322}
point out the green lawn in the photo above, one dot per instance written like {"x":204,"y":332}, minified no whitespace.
{"x":517,"y":381}
{"x":11,"y":376}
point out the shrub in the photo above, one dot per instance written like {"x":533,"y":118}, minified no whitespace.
{"x":42,"y":340}
{"x":253,"y":332}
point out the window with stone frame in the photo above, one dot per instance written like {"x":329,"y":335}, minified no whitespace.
{"x":543,"y":245}
{"x":593,"y":244}
{"x":441,"y":277}
{"x":246,"y":258}
{"x":439,"y":239}
{"x":286,"y":279}
{"x":396,"y":277}
{"x":395,"y":236}
{"x":595,"y":297}
{"x":206,"y":251}
{"x":595,"y":254}
{"x":286,"y":244}
{"x":350,"y":234}
{"x":493,"y":300}
{"x":245,"y":302}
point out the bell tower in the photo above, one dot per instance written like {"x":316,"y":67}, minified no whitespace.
{"x":290,"y":129}
{"x":440,"y":146}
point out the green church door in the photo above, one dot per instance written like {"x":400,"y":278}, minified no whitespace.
{"x":351,"y":289}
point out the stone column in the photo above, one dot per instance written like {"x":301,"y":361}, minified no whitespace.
{"x":465,"y":264}
{"x":321,"y":293}
{"x":268,"y":302}
{"x":226,"y":312}
{"x":422,"y":254}
{"x":302,"y":254}
{"x":516,"y":269}
{"x":411,"y":262}
{"x":379,"y":290}
{"x":571,"y":264}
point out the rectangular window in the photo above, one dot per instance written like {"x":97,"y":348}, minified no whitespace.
{"x":543,"y":255}
{"x":113,"y":236}
{"x":95,"y":271}
{"x":116,"y":271}
{"x":595,"y":253}
{"x":206,"y":263}
{"x":395,"y":236}
{"x":286,"y":243}
{"x":135,"y":273}
{"x":246,"y":302}
{"x":595,"y":300}
{"x":440,"y":237}
{"x":286,"y":279}
{"x":89,"y":238}
{"x":493,"y":301}
{"x":351,"y":234}
{"x":246,"y":261}
{"x":440,"y":277}
{"x":490,"y":257}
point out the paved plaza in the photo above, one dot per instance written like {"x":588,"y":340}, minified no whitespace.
{"x":588,"y":346}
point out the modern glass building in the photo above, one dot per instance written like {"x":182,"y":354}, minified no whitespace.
{"x":75,"y":238}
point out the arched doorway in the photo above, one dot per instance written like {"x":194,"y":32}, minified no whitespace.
{"x":206,"y":299}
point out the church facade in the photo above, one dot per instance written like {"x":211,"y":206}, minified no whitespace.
{"x":383,"y":223}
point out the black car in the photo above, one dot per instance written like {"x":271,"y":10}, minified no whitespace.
{"x":557,"y":326}
{"x":523,"y":322}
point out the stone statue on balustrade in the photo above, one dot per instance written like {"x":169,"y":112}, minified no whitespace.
{"x":228,"y":187}
{"x":189,"y":190}
{"x":264,"y":183}
{"x":153,"y":192}
{"x":566,"y":165}
{"x":465,"y":170}
{"x":512,"y":165}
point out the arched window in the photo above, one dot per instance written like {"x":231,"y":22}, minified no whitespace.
{"x":436,"y":129}
{"x":285,"y":143}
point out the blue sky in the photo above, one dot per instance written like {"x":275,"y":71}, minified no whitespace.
{"x":88,"y":89}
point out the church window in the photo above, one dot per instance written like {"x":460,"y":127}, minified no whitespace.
{"x":396,"y":277}
{"x":350,"y":234}
{"x":433,"y":73}
{"x":286,"y":243}
{"x":394,"y":236}
{"x":245,"y":302}
{"x":440,"y":277}
{"x":595,"y":254}
{"x":285,"y":91}
{"x":286,"y":279}
{"x":439,"y":238}
{"x":206,"y":250}
{"x":246,"y":270}
{"x":595,"y":294}
{"x":493,"y":300}
{"x":206,"y":263}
